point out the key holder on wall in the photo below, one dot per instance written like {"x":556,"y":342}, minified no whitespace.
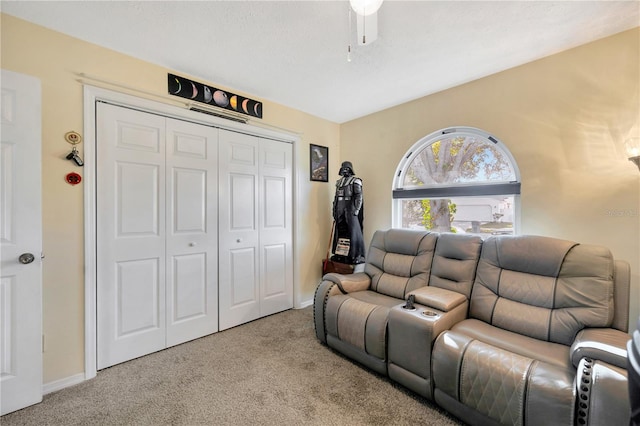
{"x":74,"y":139}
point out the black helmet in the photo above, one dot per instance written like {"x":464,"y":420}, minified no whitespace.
{"x":346,"y":165}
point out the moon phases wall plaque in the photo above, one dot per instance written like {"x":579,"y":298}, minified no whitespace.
{"x":199,"y":92}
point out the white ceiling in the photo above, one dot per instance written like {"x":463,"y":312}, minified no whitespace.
{"x":294,"y":52}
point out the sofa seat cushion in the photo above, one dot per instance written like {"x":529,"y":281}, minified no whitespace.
{"x":499,"y":384}
{"x":551,"y":353}
{"x":376,"y":298}
{"x":360,"y":319}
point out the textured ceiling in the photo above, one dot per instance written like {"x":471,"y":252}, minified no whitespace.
{"x":294,"y":52}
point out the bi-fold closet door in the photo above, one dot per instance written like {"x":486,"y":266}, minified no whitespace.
{"x":256,"y":228}
{"x":194,"y":231}
{"x":157,"y":222}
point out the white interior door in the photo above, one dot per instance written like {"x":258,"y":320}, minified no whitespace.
{"x":238,"y":244}
{"x":157,"y":233}
{"x":256,"y":256}
{"x":21,"y":241}
{"x":276,"y":227}
{"x":192,"y":234}
{"x":131,"y":240}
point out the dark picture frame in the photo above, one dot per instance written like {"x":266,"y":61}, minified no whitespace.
{"x":319,"y":163}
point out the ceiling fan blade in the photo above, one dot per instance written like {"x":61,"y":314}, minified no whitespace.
{"x":367,"y":28}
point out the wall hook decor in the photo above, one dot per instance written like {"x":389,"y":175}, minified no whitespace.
{"x":73,"y":178}
{"x":73,"y":138}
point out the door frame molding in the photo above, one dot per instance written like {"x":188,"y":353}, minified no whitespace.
{"x":94,"y":94}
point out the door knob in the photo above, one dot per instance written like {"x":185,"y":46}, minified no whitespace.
{"x":26,"y":258}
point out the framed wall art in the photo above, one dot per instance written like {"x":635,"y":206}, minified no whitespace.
{"x":319,"y":162}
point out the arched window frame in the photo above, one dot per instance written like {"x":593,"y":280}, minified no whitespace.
{"x":491,"y":188}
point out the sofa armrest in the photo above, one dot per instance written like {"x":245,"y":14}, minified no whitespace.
{"x":602,"y":394}
{"x":331,"y":285}
{"x":604,"y":344}
{"x":411,"y":333}
{"x":319,"y":304}
{"x":349,"y":283}
{"x":438,"y":298}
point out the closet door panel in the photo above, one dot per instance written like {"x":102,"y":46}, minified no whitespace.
{"x":137,"y":296}
{"x":192,"y":234}
{"x":189,"y":295}
{"x":275,"y":275}
{"x":137,"y":206}
{"x":189,"y":193}
{"x":157,"y":192}
{"x":242,"y":203}
{"x":239,"y":239}
{"x":242,"y":274}
{"x":276,"y":227}
{"x":130,"y":234}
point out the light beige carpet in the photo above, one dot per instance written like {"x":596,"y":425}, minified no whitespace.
{"x":272,"y":371}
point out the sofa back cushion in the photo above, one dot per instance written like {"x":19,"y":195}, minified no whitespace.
{"x":399,"y":260}
{"x":455,"y":261}
{"x":541,"y":287}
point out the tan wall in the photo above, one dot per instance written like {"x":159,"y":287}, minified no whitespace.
{"x":54,"y":58}
{"x":564,"y":118}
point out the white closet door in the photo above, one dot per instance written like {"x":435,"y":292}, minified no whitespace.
{"x":256,"y":256}
{"x":157,"y":221}
{"x":239,"y":252}
{"x":276,"y":225}
{"x":130,"y":234}
{"x":192,"y":232}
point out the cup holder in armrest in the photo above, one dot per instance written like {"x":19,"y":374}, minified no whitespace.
{"x":429,"y":314}
{"x":408,"y":309}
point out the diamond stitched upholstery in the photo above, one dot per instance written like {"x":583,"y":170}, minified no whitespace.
{"x":455,"y":262}
{"x":530,"y":294}
{"x":536,"y":290}
{"x":507,"y":363}
{"x":543,"y":287}
{"x":360,"y":321}
{"x":399,"y":261}
{"x":493,"y":382}
{"x":352,"y":319}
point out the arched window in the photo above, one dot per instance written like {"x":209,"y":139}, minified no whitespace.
{"x":458,"y":179}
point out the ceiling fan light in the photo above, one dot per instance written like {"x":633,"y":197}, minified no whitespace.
{"x":365,"y":7}
{"x":632,"y":146}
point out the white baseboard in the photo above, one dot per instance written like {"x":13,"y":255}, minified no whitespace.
{"x":304,"y":304}
{"x":57,"y":385}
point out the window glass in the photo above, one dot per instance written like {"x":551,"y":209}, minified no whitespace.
{"x":452,"y":160}
{"x":457,"y":180}
{"x":482,"y":216}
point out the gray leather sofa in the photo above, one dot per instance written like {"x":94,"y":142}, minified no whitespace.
{"x":633,"y":369}
{"x":513,"y":330}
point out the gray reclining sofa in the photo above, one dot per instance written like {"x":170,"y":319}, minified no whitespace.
{"x":515,"y":330}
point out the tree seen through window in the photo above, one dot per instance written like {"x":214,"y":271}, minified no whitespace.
{"x":458,"y":170}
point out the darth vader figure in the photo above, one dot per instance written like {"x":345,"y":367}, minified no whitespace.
{"x":348,"y":242}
